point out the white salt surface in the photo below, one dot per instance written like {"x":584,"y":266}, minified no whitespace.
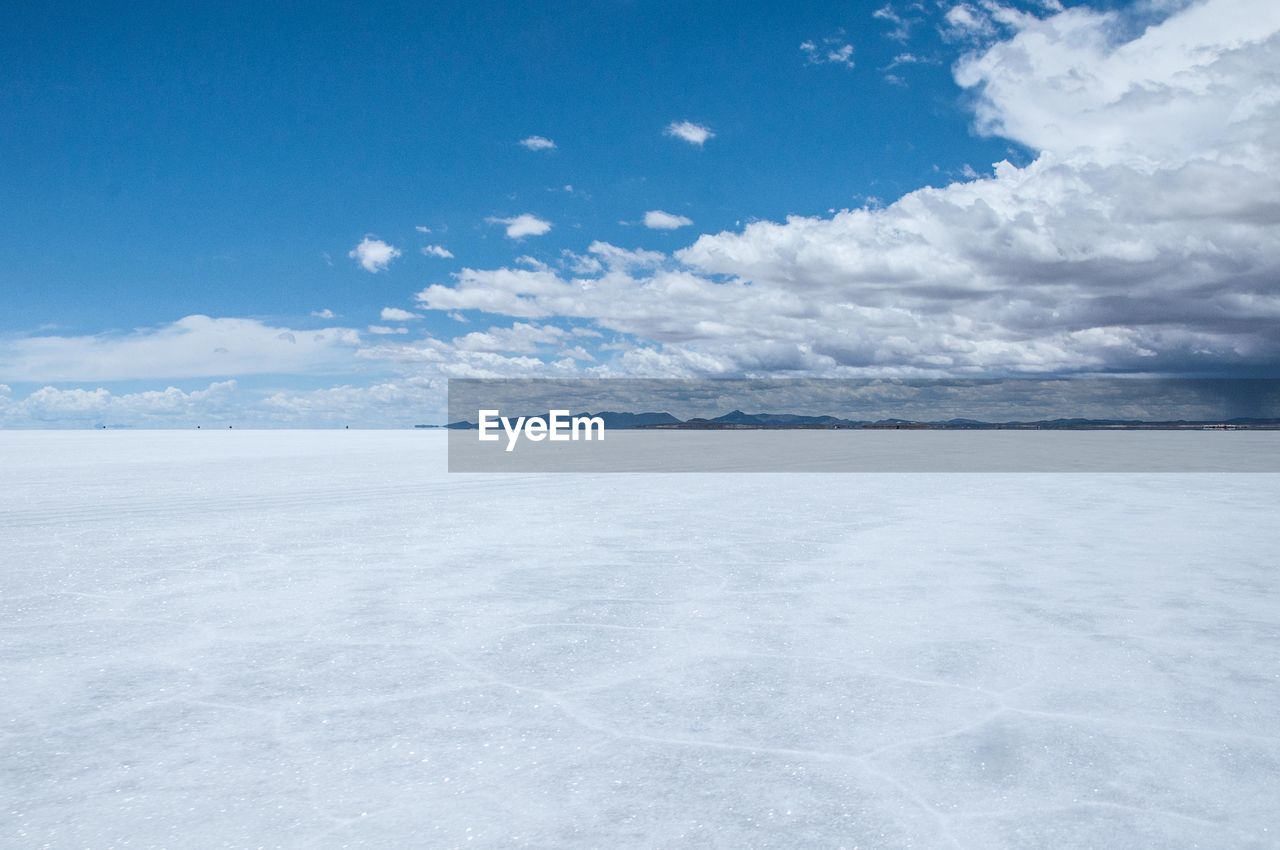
{"x":292,"y":639}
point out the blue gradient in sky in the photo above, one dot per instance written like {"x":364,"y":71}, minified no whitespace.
{"x":161,"y":160}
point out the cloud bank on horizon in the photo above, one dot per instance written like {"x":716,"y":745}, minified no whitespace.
{"x":1141,"y":236}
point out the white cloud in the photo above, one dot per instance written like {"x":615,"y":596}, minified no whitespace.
{"x":981,"y":23}
{"x":395,"y":314}
{"x":195,"y":346}
{"x":538,"y":143}
{"x":1143,"y":236}
{"x":584,"y":265}
{"x":577,"y":353}
{"x":659,"y":220}
{"x":901,"y":59}
{"x":830,"y":51}
{"x":520,"y":338}
{"x":602,"y":255}
{"x":525,"y":224}
{"x":614,"y":257}
{"x":523,"y":350}
{"x":400,"y":402}
{"x":383,"y":330}
{"x":437,"y":251}
{"x":87,"y":407}
{"x":373,"y":254}
{"x":531,"y":262}
{"x":966,"y":18}
{"x":694,"y":134}
{"x":1176,"y":94}
{"x":901,"y":24}
{"x":326,"y":313}
{"x":422,"y":228}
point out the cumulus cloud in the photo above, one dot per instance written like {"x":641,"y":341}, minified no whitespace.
{"x":964,"y":21}
{"x":525,"y":224}
{"x":520,"y":338}
{"x":326,"y":313}
{"x":694,"y":134}
{"x":415,"y":394}
{"x":402,"y":401}
{"x":395,"y":314}
{"x":1185,"y":91}
{"x":195,"y":346}
{"x":373,"y":254}
{"x":489,"y":354}
{"x":437,"y":251}
{"x":399,"y":401}
{"x":1145,"y":234}
{"x":659,"y":220}
{"x":85,"y":407}
{"x":537,"y":143}
{"x":602,"y":255}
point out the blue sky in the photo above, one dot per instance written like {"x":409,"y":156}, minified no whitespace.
{"x":205,"y":159}
{"x":226,"y":160}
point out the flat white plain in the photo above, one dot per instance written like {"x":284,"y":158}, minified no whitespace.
{"x":290,"y":638}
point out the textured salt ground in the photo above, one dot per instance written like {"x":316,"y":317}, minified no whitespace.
{"x":321,"y":639}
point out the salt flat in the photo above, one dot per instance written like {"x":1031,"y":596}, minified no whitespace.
{"x":293,"y":639}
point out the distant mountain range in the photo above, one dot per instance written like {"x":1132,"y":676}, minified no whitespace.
{"x":738,"y":420}
{"x":612,"y":420}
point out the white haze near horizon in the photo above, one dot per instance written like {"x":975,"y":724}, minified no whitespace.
{"x":228,"y":638}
